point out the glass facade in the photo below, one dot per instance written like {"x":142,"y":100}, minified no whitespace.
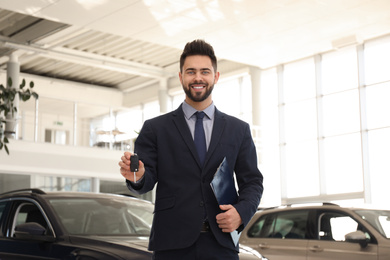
{"x":334,"y":134}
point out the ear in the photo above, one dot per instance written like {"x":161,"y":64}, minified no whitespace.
{"x":180,"y":77}
{"x":216,"y":77}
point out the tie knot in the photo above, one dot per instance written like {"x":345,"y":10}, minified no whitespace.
{"x":200,"y":115}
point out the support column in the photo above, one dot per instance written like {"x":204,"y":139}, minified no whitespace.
{"x":13,"y":68}
{"x":255,"y":74}
{"x":282,"y":134}
{"x":256,"y":95}
{"x":95,"y":185}
{"x":163,"y":99}
{"x":112,"y":126}
{"x":36,"y":120}
{"x":368,"y":188}
{"x":75,"y":124}
{"x":163,"y":96}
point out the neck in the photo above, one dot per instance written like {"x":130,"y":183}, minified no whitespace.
{"x":200,"y":105}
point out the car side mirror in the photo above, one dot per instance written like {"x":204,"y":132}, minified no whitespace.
{"x":357,"y":237}
{"x":32,"y":231}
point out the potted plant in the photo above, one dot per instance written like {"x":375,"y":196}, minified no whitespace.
{"x":7,"y":107}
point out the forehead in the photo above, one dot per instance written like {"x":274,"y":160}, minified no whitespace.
{"x":197,"y":62}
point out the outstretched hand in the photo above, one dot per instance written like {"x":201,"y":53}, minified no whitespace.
{"x":229,"y":220}
{"x":125,"y":168}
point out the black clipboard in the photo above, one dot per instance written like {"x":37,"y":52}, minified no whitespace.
{"x":225,"y":191}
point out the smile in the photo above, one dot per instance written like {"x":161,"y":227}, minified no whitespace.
{"x":197,"y":86}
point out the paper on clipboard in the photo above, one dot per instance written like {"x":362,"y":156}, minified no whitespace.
{"x":224,"y":190}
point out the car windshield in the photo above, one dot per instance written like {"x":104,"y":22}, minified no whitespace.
{"x":379,"y":219}
{"x":104,"y":216}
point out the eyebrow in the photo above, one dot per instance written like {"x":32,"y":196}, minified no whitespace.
{"x":199,"y":69}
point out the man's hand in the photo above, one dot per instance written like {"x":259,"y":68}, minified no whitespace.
{"x":229,"y":220}
{"x":125,"y":168}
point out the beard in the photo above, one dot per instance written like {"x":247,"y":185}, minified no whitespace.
{"x":199,"y":96}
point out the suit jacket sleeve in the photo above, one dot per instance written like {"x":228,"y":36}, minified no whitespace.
{"x":146,"y":139}
{"x":249,"y":179}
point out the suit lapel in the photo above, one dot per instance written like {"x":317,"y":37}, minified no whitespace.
{"x":218,"y":127}
{"x":182,"y":127}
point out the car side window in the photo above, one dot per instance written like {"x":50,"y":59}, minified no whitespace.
{"x":257,"y":228}
{"x":2,"y":209}
{"x":28,"y":212}
{"x":286,"y":225}
{"x":334,"y":226}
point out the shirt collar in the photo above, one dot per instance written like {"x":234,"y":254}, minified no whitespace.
{"x":189,"y":111}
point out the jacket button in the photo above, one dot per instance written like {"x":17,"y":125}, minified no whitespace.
{"x":201,"y":204}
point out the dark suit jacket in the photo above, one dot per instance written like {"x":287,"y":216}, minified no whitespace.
{"x":166,"y":147}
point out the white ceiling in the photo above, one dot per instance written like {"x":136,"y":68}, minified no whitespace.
{"x":261,"y":33}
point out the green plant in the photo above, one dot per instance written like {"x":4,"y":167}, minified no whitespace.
{"x":7,"y":107}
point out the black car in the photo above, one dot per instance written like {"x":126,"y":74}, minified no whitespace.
{"x":77,"y":225}
{"x":70,"y":225}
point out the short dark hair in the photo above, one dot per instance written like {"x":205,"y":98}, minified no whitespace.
{"x":198,"y":47}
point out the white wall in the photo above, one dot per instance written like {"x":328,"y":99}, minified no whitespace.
{"x":60,"y":160}
{"x":72,"y":91}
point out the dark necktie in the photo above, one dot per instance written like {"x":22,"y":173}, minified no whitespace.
{"x":199,"y":137}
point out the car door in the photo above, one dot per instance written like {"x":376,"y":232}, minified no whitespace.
{"x":25,"y":211}
{"x":280,"y":236}
{"x":330,"y":243}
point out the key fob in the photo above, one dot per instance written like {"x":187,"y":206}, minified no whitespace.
{"x":134,"y":163}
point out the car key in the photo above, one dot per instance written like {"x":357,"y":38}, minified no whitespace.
{"x":134,"y":164}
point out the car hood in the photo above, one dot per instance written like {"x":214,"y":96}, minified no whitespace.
{"x":140,"y":243}
{"x":136,"y":242}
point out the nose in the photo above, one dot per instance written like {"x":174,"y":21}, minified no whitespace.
{"x":198,"y":75}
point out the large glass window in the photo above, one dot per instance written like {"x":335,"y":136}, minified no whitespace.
{"x":269,"y":136}
{"x":378,"y":105}
{"x":302,"y":169}
{"x":377,"y":60}
{"x":341,"y":113}
{"x":343,"y":164}
{"x":379,"y":152}
{"x":340,"y":122}
{"x":300,"y":129}
{"x":299,"y":80}
{"x":339,"y":71}
{"x":233,"y":97}
{"x":301,"y":120}
{"x":334,"y":131}
{"x":377,"y":93}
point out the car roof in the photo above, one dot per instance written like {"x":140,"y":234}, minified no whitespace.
{"x":323,"y":205}
{"x":65,"y":194}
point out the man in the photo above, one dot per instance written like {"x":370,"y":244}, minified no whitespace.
{"x":188,"y":222}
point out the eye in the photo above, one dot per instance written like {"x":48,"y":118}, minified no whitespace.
{"x":205,"y":72}
{"x":190,"y":72}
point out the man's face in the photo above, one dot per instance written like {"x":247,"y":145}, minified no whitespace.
{"x":198,"y":78}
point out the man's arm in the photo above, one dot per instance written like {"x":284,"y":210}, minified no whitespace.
{"x":249,"y":179}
